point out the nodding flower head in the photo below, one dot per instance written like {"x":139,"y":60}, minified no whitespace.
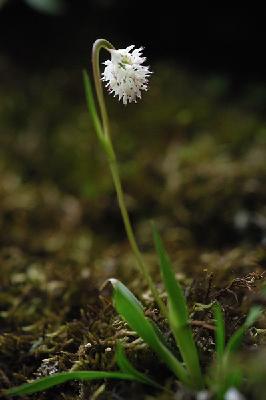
{"x":124,"y":74}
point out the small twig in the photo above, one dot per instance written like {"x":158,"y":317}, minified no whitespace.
{"x":98,"y":392}
{"x":202,"y":324}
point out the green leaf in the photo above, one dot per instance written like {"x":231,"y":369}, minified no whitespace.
{"x":228,"y":377}
{"x":47,"y":6}
{"x":219,"y":331}
{"x":128,"y":368}
{"x":91,"y":106}
{"x":178,"y":315}
{"x":132,"y":311}
{"x":56,"y":379}
{"x":237,"y":337}
{"x":128,"y":372}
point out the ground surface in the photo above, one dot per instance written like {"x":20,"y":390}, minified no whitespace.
{"x":192,"y":158}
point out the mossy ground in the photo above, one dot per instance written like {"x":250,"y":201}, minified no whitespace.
{"x":192,"y":158}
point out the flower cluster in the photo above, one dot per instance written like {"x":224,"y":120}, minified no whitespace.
{"x":124,"y":74}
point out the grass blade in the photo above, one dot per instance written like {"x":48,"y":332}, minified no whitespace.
{"x":237,"y":337}
{"x":91,"y":105}
{"x":126,"y":367}
{"x":132,"y":311}
{"x":178,"y":315}
{"x":42,"y":384}
{"x":219,"y":331}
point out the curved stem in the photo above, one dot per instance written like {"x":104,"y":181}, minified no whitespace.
{"x":108,"y":147}
{"x":97,"y":46}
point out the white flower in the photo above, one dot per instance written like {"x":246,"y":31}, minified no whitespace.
{"x":233,"y":394}
{"x":124,"y":74}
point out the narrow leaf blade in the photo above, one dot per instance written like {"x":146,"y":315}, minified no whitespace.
{"x":238,"y":336}
{"x":178,"y":314}
{"x":126,"y":367}
{"x":91,"y":105}
{"x":132,"y":311}
{"x":42,"y":384}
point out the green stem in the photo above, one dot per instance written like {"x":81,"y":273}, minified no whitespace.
{"x":98,"y":45}
{"x":129,"y":230}
{"x":108,"y":147}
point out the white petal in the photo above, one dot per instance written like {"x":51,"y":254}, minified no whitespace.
{"x":124,"y":74}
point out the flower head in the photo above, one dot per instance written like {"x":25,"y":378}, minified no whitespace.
{"x":124,"y":74}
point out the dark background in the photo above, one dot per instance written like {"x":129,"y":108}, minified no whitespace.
{"x":218,"y":38}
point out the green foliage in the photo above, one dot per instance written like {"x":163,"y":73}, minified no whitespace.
{"x":226,"y":372}
{"x":132,"y":311}
{"x":222,"y":376}
{"x":237,"y":337}
{"x":46,"y":383}
{"x":178,"y":315}
{"x":128,"y":372}
{"x":91,"y":105}
{"x":126,"y":367}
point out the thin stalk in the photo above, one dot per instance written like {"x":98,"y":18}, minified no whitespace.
{"x":108,"y":147}
{"x":97,"y":46}
{"x":128,"y":227}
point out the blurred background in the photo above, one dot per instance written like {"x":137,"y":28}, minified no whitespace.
{"x":49,"y":33}
{"x":192,"y":151}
